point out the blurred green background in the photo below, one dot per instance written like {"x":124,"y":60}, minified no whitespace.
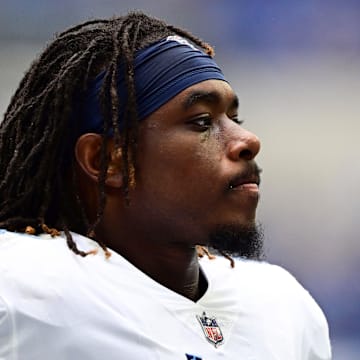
{"x":296,"y":68}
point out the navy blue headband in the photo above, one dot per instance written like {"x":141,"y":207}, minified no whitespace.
{"x":162,"y":71}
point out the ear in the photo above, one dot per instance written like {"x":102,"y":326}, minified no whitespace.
{"x":88,"y":156}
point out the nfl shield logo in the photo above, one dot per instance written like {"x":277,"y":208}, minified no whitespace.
{"x":211,"y":329}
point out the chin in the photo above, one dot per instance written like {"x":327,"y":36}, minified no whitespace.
{"x":238,"y":240}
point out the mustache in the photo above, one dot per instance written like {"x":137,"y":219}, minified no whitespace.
{"x":251,"y":174}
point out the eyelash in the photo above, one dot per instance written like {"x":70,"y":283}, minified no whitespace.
{"x":207,"y":121}
{"x":203,"y":122}
{"x":236,"y":120}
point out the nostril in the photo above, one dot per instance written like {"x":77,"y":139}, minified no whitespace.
{"x":243,"y":145}
{"x":246,"y":154}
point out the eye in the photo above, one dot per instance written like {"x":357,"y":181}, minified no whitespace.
{"x":236,"y":119}
{"x":202,"y":122}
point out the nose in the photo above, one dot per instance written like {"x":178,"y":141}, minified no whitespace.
{"x":243,"y":145}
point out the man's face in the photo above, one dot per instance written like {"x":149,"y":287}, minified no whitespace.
{"x":196,"y":172}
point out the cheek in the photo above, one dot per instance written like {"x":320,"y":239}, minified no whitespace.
{"x":180,"y":159}
{"x":196,"y":159}
{"x":180,"y":181}
{"x":210,"y":149}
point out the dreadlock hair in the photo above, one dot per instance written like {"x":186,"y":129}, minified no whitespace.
{"x":39,"y":132}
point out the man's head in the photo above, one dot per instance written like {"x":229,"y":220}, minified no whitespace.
{"x":184,"y":173}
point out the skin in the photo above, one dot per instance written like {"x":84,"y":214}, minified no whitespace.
{"x":192,"y":157}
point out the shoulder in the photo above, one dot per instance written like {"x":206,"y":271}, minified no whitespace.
{"x":6,"y":331}
{"x":21,"y":246}
{"x":28,"y":261}
{"x":255,"y":276}
{"x":271,"y":295}
{"x":265,"y":282}
{"x":41,"y":278}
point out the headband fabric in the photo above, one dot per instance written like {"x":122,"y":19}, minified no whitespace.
{"x":161,"y":71}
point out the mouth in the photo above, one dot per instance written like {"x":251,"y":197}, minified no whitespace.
{"x":249,"y":184}
{"x":248,"y":180}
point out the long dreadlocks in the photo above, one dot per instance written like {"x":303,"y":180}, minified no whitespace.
{"x":38,"y":190}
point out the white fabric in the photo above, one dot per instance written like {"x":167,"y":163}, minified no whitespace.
{"x":59,"y":306}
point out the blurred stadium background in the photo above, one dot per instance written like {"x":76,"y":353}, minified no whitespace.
{"x":296,"y":68}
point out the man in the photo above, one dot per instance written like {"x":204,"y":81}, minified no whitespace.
{"x":126,"y":131}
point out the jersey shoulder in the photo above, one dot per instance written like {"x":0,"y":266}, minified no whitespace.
{"x":36,"y":262}
{"x":270,"y":295}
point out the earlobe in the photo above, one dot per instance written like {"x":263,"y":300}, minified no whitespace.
{"x":88,"y":157}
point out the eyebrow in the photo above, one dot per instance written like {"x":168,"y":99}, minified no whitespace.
{"x":211,"y":97}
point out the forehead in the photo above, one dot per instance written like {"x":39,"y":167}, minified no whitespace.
{"x":210,"y":92}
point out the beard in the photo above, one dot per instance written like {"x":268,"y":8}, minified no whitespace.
{"x":238,"y":241}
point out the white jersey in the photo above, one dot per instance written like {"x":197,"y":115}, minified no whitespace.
{"x":60,"y":306}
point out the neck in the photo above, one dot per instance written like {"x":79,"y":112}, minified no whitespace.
{"x":177,"y":269}
{"x":173,"y":267}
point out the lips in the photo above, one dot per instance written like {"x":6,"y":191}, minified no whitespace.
{"x":245,"y":183}
{"x":250,"y":178}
